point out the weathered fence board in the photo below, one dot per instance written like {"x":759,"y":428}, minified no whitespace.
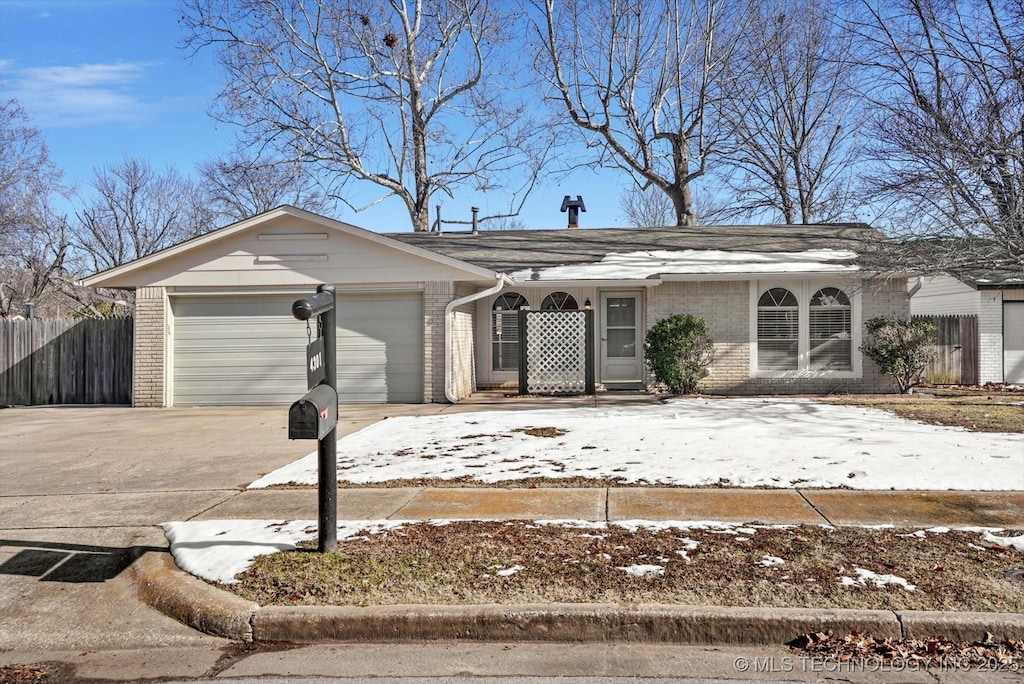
{"x":66,"y":361}
{"x":956,"y":343}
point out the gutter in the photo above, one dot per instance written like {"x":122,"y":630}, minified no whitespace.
{"x":502,"y":281}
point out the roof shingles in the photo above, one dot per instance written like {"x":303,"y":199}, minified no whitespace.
{"x":510,"y":251}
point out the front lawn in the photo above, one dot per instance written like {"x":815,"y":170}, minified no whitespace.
{"x":977,"y":411}
{"x":715,"y":564}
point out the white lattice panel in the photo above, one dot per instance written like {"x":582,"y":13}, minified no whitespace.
{"x":556,"y":352}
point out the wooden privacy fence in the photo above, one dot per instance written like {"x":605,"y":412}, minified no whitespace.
{"x":956,"y":342}
{"x":66,"y":362}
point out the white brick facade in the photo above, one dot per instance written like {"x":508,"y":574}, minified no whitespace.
{"x":150,"y":347}
{"x":725,"y":306}
{"x":436,"y":295}
{"x":990,"y":336}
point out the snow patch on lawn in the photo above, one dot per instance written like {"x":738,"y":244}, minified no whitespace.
{"x":1008,"y":542}
{"x":643,"y":570}
{"x":865,"y":577}
{"x":748,"y":442}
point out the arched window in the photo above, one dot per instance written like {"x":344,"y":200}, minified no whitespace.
{"x":559,"y":301}
{"x":831,"y":328}
{"x":505,"y":331}
{"x":778,"y":330}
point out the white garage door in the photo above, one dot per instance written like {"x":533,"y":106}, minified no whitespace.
{"x":250,"y":350}
{"x":1013,"y":342}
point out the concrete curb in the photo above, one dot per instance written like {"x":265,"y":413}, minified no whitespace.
{"x":215,"y":611}
{"x":561,"y":623}
{"x":190,"y":600}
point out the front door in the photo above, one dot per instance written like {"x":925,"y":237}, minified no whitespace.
{"x":622,"y":363}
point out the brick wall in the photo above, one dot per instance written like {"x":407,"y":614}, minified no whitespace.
{"x":990,"y":336}
{"x":463,"y":348}
{"x":436,"y":295}
{"x":150,"y":347}
{"x":725,"y":306}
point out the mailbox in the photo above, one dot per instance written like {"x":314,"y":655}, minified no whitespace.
{"x":314,"y":415}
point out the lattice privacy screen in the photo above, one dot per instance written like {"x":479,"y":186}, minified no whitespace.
{"x":556,"y":352}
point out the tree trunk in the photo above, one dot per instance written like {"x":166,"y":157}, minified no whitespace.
{"x":682,"y":203}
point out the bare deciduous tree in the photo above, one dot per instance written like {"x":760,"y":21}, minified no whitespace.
{"x":414,"y":97}
{"x":641,"y":80}
{"x":650,"y":208}
{"x":135,"y":211}
{"x":34,"y":238}
{"x":646,"y":207}
{"x":949,"y":121}
{"x":795,"y":113}
{"x":240,"y":185}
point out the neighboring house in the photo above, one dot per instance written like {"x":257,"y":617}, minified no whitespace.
{"x":430,"y":317}
{"x":997,"y":299}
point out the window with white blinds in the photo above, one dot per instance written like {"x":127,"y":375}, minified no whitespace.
{"x":505,"y":331}
{"x":830,"y":330}
{"x":778,"y":331}
{"x":805,"y":329}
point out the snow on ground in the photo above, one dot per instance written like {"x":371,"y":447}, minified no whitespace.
{"x":866,"y":577}
{"x":747,"y":441}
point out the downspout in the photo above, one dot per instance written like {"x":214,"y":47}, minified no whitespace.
{"x":916,"y":286}
{"x":503,"y":280}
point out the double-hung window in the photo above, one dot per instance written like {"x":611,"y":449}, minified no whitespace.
{"x":804,"y":329}
{"x":505,"y":331}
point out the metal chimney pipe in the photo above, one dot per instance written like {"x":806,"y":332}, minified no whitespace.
{"x":573,"y":207}
{"x":476,"y":228}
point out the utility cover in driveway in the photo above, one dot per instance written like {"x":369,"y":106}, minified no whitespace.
{"x":250,"y":350}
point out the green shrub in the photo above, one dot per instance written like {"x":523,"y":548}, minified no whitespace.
{"x":678,"y":351}
{"x":902,"y":349}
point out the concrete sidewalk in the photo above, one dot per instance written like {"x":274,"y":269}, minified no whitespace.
{"x":783,"y":506}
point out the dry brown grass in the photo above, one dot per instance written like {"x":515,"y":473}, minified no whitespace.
{"x":976,"y":411}
{"x":462,"y":563}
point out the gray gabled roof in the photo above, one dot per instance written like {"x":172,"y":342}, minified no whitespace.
{"x":514,"y":250}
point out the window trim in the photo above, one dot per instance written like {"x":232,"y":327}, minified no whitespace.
{"x":804,"y":290}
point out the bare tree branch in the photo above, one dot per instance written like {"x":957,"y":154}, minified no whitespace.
{"x":415,"y":97}
{"x":948,"y":124}
{"x":793,"y":106}
{"x":642,"y":79}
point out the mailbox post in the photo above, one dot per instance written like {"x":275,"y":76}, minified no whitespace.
{"x":315,"y":416}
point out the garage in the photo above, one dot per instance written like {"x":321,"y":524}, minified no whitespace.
{"x":1013,"y":342}
{"x":248,"y":349}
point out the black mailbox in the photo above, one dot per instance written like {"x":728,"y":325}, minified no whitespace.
{"x":314,"y":415}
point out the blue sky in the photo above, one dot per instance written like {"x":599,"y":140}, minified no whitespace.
{"x":105,"y":79}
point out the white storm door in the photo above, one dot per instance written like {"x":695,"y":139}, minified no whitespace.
{"x":621,"y":344}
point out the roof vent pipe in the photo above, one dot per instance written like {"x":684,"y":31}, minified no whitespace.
{"x":574,"y":206}
{"x":476,"y":227}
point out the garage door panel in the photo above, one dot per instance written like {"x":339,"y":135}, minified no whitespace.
{"x":250,"y":350}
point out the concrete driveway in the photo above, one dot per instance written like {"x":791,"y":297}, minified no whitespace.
{"x":82,"y":490}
